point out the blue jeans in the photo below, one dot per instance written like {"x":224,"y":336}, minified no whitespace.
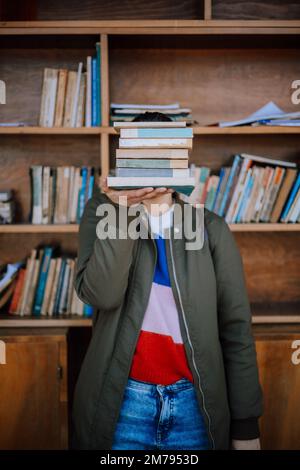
{"x":160,"y":417}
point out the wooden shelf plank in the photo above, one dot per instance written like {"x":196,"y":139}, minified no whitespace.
{"x":265,"y":227}
{"x":73,"y":228}
{"x":198,"y":130}
{"x":52,"y":130}
{"x":239,"y":130}
{"x":49,"y":322}
{"x":187,"y":27}
{"x":139,"y":23}
{"x":36,"y":228}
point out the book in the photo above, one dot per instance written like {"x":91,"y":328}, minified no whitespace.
{"x":36,"y":194}
{"x":157,"y":133}
{"x":290,"y":199}
{"x":149,"y":107}
{"x":74,"y":108}
{"x":41,"y":285}
{"x":70,"y":98}
{"x":48,"y":100}
{"x":161,"y":153}
{"x":286,"y":186}
{"x":88,"y":102}
{"x":154,"y":143}
{"x":17,"y":291}
{"x":183,"y":185}
{"x":98,"y":84}
{"x":151,"y":163}
{"x":60,"y":98}
{"x":151,"y":124}
{"x":156,"y":172}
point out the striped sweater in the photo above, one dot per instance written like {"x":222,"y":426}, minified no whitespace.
{"x":160,"y":356}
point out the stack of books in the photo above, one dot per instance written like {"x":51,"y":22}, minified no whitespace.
{"x":254,"y":189}
{"x":59,"y":194}
{"x":153,"y":154}
{"x":43,"y":285}
{"x":127,"y":111}
{"x":72,"y":98}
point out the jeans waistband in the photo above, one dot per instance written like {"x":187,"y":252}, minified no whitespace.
{"x":180,"y":384}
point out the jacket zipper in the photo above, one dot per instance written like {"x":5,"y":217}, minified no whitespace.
{"x":190,"y":343}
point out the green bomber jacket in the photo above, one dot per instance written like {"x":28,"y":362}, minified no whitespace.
{"x":114,"y":275}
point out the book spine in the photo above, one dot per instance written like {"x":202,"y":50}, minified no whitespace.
{"x":155,"y":143}
{"x":88,"y":102}
{"x":98,"y":84}
{"x":37,"y":194}
{"x":59,"y":286}
{"x":167,"y":133}
{"x":38,"y":301}
{"x":160,"y":172}
{"x":94,"y":92}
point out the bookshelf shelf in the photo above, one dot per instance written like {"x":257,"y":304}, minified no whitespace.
{"x":185,"y":54}
{"x":35,"y":228}
{"x":52,"y":130}
{"x":198,"y":130}
{"x":242,"y":130}
{"x":50,"y":322}
{"x":187,"y":27}
{"x":223,"y":70}
{"x":73,"y":228}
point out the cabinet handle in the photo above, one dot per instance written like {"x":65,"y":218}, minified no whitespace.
{"x":59,"y":372}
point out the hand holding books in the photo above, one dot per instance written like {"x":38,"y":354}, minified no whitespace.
{"x":132,"y":196}
{"x":153,"y":154}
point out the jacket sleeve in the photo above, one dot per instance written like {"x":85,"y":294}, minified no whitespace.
{"x":235,"y":333}
{"x":103,"y":265}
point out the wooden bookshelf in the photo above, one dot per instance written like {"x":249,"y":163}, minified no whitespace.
{"x":142,"y":48}
{"x":221,"y":67}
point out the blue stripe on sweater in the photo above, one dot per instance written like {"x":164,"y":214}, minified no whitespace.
{"x":161,"y":274}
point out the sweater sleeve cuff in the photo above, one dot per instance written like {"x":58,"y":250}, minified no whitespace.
{"x":244,"y":429}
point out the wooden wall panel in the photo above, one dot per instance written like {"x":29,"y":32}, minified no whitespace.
{"x":119,"y":10}
{"x":218,"y":84}
{"x":272,"y":265}
{"x":255,"y":9}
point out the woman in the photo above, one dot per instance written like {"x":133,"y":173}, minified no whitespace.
{"x":172,"y":361}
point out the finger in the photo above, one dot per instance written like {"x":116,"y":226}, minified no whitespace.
{"x":139,"y":193}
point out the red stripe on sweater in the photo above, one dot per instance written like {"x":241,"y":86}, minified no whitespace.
{"x":157,"y":359}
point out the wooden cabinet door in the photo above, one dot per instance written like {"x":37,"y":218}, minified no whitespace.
{"x":280,"y":379}
{"x":33,"y":401}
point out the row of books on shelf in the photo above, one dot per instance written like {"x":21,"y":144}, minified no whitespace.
{"x":72,"y":98}
{"x":126,"y":112}
{"x":253,"y":189}
{"x":41,"y":286}
{"x":60,"y":193}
